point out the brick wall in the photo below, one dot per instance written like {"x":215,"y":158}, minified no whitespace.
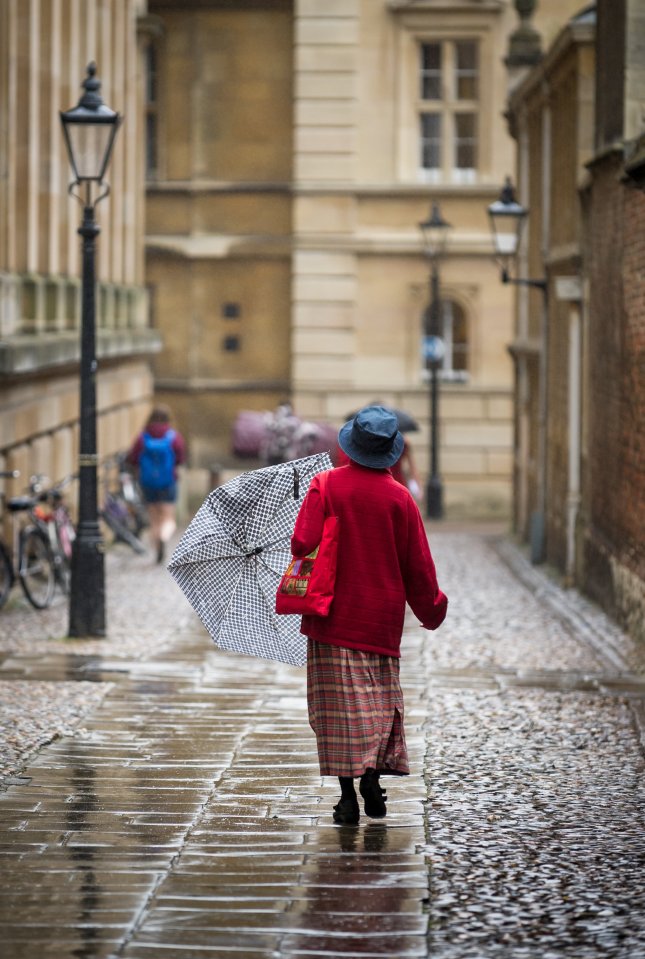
{"x":557,"y":433}
{"x":614,"y":555}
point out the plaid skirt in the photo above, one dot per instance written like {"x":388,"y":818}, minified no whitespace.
{"x":356,"y":711}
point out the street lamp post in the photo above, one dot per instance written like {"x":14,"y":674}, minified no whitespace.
{"x":89,"y":130}
{"x":435,"y":233}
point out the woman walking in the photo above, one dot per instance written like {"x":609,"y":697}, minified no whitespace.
{"x":353,"y":689}
{"x":157,"y":452}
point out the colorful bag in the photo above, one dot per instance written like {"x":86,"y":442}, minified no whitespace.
{"x":307,"y":586}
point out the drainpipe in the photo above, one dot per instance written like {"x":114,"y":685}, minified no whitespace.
{"x":523,"y":425}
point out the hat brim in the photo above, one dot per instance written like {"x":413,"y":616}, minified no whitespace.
{"x":375,"y":461}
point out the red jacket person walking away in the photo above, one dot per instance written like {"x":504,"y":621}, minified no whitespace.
{"x":353,"y":689}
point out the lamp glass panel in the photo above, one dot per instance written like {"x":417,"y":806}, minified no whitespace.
{"x":436,"y":238}
{"x":506,"y":243}
{"x":89,"y":143}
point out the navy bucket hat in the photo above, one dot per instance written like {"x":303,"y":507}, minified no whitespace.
{"x":372,"y":438}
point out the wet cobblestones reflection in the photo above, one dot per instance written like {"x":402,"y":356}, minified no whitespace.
{"x":179,"y":813}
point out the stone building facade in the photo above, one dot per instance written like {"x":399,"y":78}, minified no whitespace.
{"x":296,"y":146}
{"x":551,"y":113}
{"x":219,"y":210}
{"x":290,"y":149}
{"x":45,"y":46}
{"x":579,"y":130}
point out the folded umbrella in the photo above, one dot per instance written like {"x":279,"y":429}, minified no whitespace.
{"x":232,"y":555}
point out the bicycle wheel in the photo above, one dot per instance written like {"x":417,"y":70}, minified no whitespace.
{"x":36,"y":568}
{"x":121,"y":532}
{"x":6,"y":575}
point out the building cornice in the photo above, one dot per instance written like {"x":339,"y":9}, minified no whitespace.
{"x":27,"y":354}
{"x":200,"y":384}
{"x":224,"y":246}
{"x":445,"y":6}
{"x":481,"y":191}
{"x":635,"y":161}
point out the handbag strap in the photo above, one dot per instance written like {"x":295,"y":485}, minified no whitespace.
{"x":324,"y":478}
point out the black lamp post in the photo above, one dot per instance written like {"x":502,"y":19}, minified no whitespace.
{"x":435,"y":236}
{"x":89,"y":129}
{"x":507,"y":218}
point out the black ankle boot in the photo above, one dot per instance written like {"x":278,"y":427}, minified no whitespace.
{"x":373,"y":796}
{"x":346,"y":812}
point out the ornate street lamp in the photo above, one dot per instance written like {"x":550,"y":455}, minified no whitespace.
{"x":507,"y":218}
{"x":89,"y":129}
{"x":435,"y":236}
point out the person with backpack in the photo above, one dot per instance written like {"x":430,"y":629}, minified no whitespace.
{"x":157,"y":452}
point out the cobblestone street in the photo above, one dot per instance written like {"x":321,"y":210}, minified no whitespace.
{"x":162,"y":798}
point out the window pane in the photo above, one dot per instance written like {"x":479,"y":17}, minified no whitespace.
{"x":459,"y":339}
{"x":151,"y":144}
{"x":151,"y":74}
{"x":430,"y":141}
{"x":430,"y":71}
{"x":465,"y":141}
{"x":466,"y":70}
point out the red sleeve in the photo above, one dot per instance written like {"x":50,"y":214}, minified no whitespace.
{"x":179,"y":446}
{"x":424,"y":597}
{"x":309,"y":523}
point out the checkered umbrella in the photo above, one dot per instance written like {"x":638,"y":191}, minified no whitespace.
{"x":230,"y":559}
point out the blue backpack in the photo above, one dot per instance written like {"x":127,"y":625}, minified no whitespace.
{"x":157,"y":461}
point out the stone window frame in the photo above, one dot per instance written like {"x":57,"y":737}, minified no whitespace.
{"x":448,"y":106}
{"x":434,"y":26}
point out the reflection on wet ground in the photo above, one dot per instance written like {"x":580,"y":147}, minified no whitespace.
{"x":184,"y":816}
{"x":189,"y":815}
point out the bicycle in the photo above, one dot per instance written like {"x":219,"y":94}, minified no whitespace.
{"x":35,"y":567}
{"x":116,"y":513}
{"x":7,"y":573}
{"x":130,"y":492}
{"x":52,"y":516}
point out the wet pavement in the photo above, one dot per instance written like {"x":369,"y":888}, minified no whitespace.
{"x":162,"y":798}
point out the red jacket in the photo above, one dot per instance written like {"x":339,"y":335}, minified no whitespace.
{"x":383,"y":560}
